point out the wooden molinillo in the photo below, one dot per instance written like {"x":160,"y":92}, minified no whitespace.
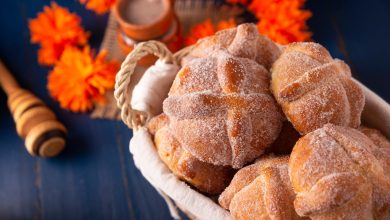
{"x":44,"y":135}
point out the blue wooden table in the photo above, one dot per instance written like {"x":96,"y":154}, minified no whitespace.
{"x":95,"y":177}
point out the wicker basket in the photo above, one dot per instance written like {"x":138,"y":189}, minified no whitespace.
{"x":376,"y":114}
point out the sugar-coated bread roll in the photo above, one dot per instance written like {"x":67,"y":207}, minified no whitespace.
{"x":261,"y":191}
{"x":314,"y":89}
{"x":242,"y":41}
{"x":383,"y":151}
{"x":156,"y":123}
{"x":221,"y":110}
{"x":337,"y":173}
{"x":376,"y":136}
{"x":205,"y":177}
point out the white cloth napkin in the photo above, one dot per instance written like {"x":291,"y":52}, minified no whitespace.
{"x":150,"y":92}
{"x":157,"y":173}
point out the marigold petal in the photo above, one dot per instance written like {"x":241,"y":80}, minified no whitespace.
{"x":283,"y":21}
{"x":206,"y":28}
{"x":78,"y":79}
{"x":56,"y":27}
{"x":99,"y":6}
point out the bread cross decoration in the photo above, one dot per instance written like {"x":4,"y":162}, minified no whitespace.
{"x":314,"y":78}
{"x":235,"y":100}
{"x":338,"y":173}
{"x":314,"y":89}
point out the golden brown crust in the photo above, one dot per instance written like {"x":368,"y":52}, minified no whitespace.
{"x":219,"y":107}
{"x":337,"y":175}
{"x":157,"y":123}
{"x":376,"y":136}
{"x":205,"y":177}
{"x":221,"y":110}
{"x":243,"y":41}
{"x":382,"y":152}
{"x":261,"y":191}
{"x":314,"y":89}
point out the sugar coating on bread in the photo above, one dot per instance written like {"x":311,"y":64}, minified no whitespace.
{"x":156,"y":123}
{"x":314,"y":89}
{"x":382,"y":149}
{"x":376,"y":136}
{"x":247,"y":174}
{"x":243,"y":41}
{"x":261,"y":191}
{"x":336,"y":175}
{"x":221,"y":110}
{"x":205,"y":177}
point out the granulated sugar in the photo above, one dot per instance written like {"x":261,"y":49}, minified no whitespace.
{"x":221,"y":109}
{"x":314,"y":89}
{"x":339,"y":166}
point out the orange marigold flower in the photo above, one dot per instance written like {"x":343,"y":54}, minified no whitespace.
{"x":206,"y":29}
{"x":99,"y":6}
{"x":49,"y":53}
{"x":283,"y":21}
{"x":78,"y":80}
{"x":222,"y":25}
{"x":55,"y":28}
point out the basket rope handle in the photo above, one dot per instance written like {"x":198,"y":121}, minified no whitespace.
{"x":131,"y":117}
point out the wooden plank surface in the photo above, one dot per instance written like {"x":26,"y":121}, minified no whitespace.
{"x":95,"y":177}
{"x":357,"y":32}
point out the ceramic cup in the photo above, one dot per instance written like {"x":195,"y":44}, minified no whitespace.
{"x":143,"y":20}
{"x":171,"y":38}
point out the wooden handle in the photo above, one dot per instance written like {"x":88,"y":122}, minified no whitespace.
{"x":7,"y":82}
{"x":35,"y":122}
